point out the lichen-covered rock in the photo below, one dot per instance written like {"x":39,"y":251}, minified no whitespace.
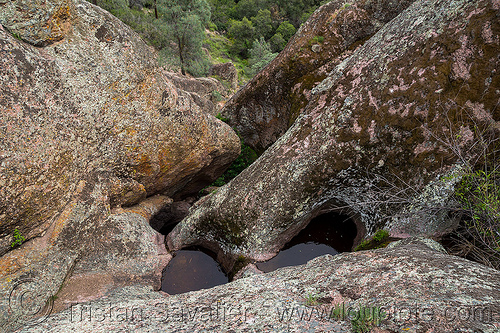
{"x":270,"y":103}
{"x":226,"y":72}
{"x":206,"y":92}
{"x":411,"y":286}
{"x":38,"y":22}
{"x":89,"y":124}
{"x":97,"y":101}
{"x":377,"y":128}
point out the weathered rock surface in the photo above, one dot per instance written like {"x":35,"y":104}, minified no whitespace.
{"x":226,"y":72}
{"x":270,"y":103}
{"x":170,"y":215}
{"x":412,"y":285}
{"x":89,"y":124}
{"x":97,"y":101}
{"x":38,"y":22}
{"x":206,"y":92}
{"x":375,"y":131}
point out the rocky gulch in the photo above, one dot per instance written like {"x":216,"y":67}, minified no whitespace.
{"x":376,"y":126}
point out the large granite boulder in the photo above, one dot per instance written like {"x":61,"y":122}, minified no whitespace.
{"x":269,"y":104}
{"x":89,"y":125}
{"x":389,"y":126}
{"x":96,"y":102}
{"x":206,"y":92}
{"x":413,"y":286}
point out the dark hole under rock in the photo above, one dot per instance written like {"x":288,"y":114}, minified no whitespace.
{"x":196,"y":268}
{"x":329,"y":233}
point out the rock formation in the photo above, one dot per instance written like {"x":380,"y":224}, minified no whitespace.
{"x":270,"y":103}
{"x":413,"y":286}
{"x":375,"y":134}
{"x":90,"y":128}
{"x":225,"y":72}
{"x":206,"y":92}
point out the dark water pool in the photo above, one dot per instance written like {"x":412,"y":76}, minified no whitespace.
{"x":196,"y":268}
{"x":192,"y":269}
{"x":329,"y":233}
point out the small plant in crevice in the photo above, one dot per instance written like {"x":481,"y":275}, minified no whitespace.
{"x":217,"y":96}
{"x":221,"y":118}
{"x":366,"y":319}
{"x":312,"y":299}
{"x":362,"y":320}
{"x":17,"y":36}
{"x":18,"y":238}
{"x":378,"y":240}
{"x":317,"y":40}
{"x":478,"y":198}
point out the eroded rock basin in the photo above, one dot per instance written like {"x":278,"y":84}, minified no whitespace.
{"x":329,"y":233}
{"x":192,"y":269}
{"x":196,"y":268}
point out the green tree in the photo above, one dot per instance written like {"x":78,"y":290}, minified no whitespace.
{"x":248,"y":8}
{"x":277,"y":42}
{"x":242,"y":33}
{"x":263,"y":23}
{"x":260,"y":55}
{"x":184,"y":21}
{"x":287,"y":30}
{"x":221,"y":13}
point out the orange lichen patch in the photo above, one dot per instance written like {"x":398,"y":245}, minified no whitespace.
{"x":59,"y":24}
{"x":139,"y":211}
{"x":165,"y":160}
{"x":145,"y":165}
{"x":9,"y":264}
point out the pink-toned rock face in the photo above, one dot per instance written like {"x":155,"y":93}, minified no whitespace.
{"x":378,"y":124}
{"x":268,"y":105}
{"x":96,"y":102}
{"x":226,"y":72}
{"x":89,"y":124}
{"x":410,"y":287}
{"x":205,"y":92}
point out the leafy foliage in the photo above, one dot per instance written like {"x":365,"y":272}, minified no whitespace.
{"x":242,"y":34}
{"x":246,"y":157}
{"x":312,"y":299}
{"x":286,"y":29}
{"x":378,"y":240}
{"x":185,"y":21}
{"x":478,"y":196}
{"x":367,"y":319}
{"x":18,"y":238}
{"x":177,"y":28}
{"x":260,"y":55}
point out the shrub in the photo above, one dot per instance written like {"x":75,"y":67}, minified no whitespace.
{"x":478,"y":199}
{"x":260,"y":55}
{"x":368,"y":317}
{"x":246,"y":157}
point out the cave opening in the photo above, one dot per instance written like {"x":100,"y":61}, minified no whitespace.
{"x":329,"y":233}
